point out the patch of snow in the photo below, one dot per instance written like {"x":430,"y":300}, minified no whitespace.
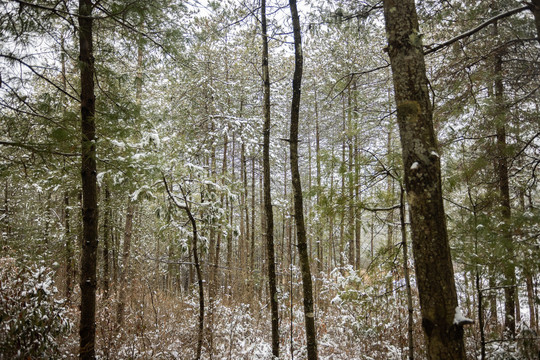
{"x":459,"y":319}
{"x":433,"y":153}
{"x":415,"y":165}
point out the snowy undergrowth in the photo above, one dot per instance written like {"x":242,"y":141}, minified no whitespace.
{"x":32,"y":320}
{"x":359,"y":315}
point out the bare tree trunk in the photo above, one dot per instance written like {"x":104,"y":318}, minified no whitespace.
{"x":124,"y":271}
{"x":252,"y":247}
{"x":88,"y":280}
{"x":351,"y":130}
{"x":530,"y":298}
{"x":69,"y":249}
{"x":106,"y":244}
{"x":268,"y":211}
{"x":194,"y":245}
{"x":318,"y":224}
{"x":342,"y":239}
{"x":433,"y":264}
{"x":535,"y":7}
{"x":410,"y":309}
{"x":504,"y":193}
{"x":309,"y":315}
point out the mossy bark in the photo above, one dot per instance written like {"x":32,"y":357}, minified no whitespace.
{"x":433,"y":265}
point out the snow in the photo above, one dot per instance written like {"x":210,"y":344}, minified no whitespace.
{"x":415,"y":165}
{"x":119,"y":144}
{"x":459,"y":319}
{"x":433,"y":153}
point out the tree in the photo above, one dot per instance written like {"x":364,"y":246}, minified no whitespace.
{"x":269,"y":215}
{"x":433,"y":264}
{"x":88,"y":280}
{"x":309,"y":314}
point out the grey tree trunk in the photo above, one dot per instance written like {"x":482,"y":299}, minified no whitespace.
{"x":410,"y":309}
{"x":126,"y":250}
{"x":433,"y":264}
{"x":106,"y":242}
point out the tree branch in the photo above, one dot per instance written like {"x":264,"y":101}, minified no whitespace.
{"x":434,"y":47}
{"x":35,"y":149}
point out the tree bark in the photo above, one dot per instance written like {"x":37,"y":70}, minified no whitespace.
{"x":126,"y":250}
{"x":535,"y":8}
{"x":268,"y":211}
{"x":87,"y":330}
{"x":504,"y":193}
{"x":530,"y":298}
{"x":195,"y":245}
{"x":106,"y":242}
{"x":433,"y":264}
{"x":309,"y":315}
{"x":410,"y":309}
{"x":69,"y":249}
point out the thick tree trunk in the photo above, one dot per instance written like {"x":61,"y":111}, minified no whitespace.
{"x":433,"y":264}
{"x":309,"y":314}
{"x":268,"y":211}
{"x":88,"y":284}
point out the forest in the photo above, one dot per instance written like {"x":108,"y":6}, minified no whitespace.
{"x":253,"y":179}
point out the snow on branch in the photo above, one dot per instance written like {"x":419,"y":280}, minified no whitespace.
{"x":433,"y":48}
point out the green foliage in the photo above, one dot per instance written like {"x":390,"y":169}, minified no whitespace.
{"x":32,"y":321}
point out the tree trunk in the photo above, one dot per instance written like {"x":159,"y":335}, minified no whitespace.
{"x":536,"y":12}
{"x":87,"y":330}
{"x":350,"y":175}
{"x":318,"y":225}
{"x":106,"y":244}
{"x":530,"y":298}
{"x":252,"y":247}
{"x":410,"y":309}
{"x":194,"y":246}
{"x":199,"y":282}
{"x":309,"y":315}
{"x":268,"y":211}
{"x":504,"y":193}
{"x":433,"y":264}
{"x":69,"y":249}
{"x":126,"y":250}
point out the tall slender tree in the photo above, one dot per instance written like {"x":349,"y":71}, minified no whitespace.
{"x":433,"y":264}
{"x":268,"y":212}
{"x":504,"y":194}
{"x":309,"y":313}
